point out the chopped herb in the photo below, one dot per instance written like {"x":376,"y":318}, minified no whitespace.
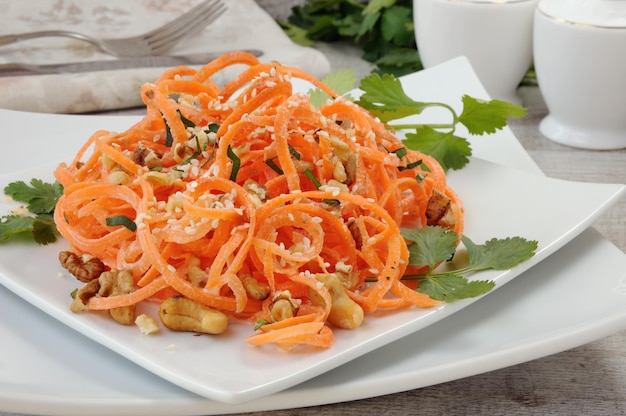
{"x":121,"y":220}
{"x":213,"y":128}
{"x":236,"y":163}
{"x":294,"y":152}
{"x":185,"y":120}
{"x":260,"y":323}
{"x":169,"y":139}
{"x":400,"y":152}
{"x":410,"y":165}
{"x":274,"y":166}
{"x":307,"y":172}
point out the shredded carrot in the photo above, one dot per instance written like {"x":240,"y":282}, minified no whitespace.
{"x":251,"y":184}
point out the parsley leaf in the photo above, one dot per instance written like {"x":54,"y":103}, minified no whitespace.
{"x":340,"y":81}
{"x":429,"y":246}
{"x":451,"y":151}
{"x":432,"y":245}
{"x":40,"y":197}
{"x":385,"y":98}
{"x":451,"y":287}
{"x":480,"y":116}
{"x":13,"y":225}
{"x":499,"y":254}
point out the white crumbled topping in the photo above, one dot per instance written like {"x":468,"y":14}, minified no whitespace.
{"x":20,"y":211}
{"x":340,"y":266}
{"x":146,"y":324}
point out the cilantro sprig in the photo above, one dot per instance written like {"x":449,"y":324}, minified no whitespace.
{"x":385,"y":97}
{"x":429,"y":246}
{"x":40,"y":199}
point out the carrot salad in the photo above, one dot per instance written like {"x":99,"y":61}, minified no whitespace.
{"x":247,"y":200}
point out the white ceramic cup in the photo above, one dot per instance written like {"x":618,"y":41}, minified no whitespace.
{"x":580,"y":61}
{"x":494,"y":35}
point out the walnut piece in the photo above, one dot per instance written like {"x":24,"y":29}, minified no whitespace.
{"x":146,"y":157}
{"x":439,"y":210}
{"x":181,"y":314}
{"x":115,"y":283}
{"x":83,"y":268}
{"x":111,"y":283}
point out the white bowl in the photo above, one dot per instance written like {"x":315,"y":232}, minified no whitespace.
{"x":580,"y":61}
{"x":494,"y":35}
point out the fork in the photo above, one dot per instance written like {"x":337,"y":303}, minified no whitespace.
{"x":154,"y":42}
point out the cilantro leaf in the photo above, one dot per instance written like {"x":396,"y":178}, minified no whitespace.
{"x":397,"y":34}
{"x":342,"y":81}
{"x":12,"y":225}
{"x":480,"y":116}
{"x":451,"y":151}
{"x":431,"y":245}
{"x":40,"y":197}
{"x":499,"y":254}
{"x":452,"y":287}
{"x":40,"y":228}
{"x":384,"y":97}
{"x":297,"y":34}
{"x":44,"y":229}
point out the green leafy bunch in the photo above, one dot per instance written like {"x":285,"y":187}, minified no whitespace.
{"x":383,"y":29}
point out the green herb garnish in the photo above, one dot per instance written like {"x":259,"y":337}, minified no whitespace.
{"x":122,"y":220}
{"x":382,"y":29}
{"x":236,"y":163}
{"x":385,"y":98}
{"x":40,"y":199}
{"x":432,"y":245}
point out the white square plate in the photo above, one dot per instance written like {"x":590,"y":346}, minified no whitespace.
{"x":500,"y":201}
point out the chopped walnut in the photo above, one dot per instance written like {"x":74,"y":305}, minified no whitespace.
{"x":83,"y":295}
{"x":258,"y":193}
{"x":353,"y":227}
{"x":111,"y":283}
{"x":283,"y":306}
{"x":115,"y":283}
{"x":255,"y":289}
{"x":195,"y":274}
{"x":84,"y":268}
{"x":146,"y":324}
{"x":146,"y":157}
{"x":439,"y":210}
{"x":183,"y":151}
{"x":181,"y":314}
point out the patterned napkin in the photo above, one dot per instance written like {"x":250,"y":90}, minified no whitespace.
{"x":245,"y":25}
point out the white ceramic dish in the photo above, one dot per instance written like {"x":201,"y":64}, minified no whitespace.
{"x":55,"y":301}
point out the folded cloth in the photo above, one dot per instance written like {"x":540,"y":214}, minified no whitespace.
{"x":245,"y":25}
